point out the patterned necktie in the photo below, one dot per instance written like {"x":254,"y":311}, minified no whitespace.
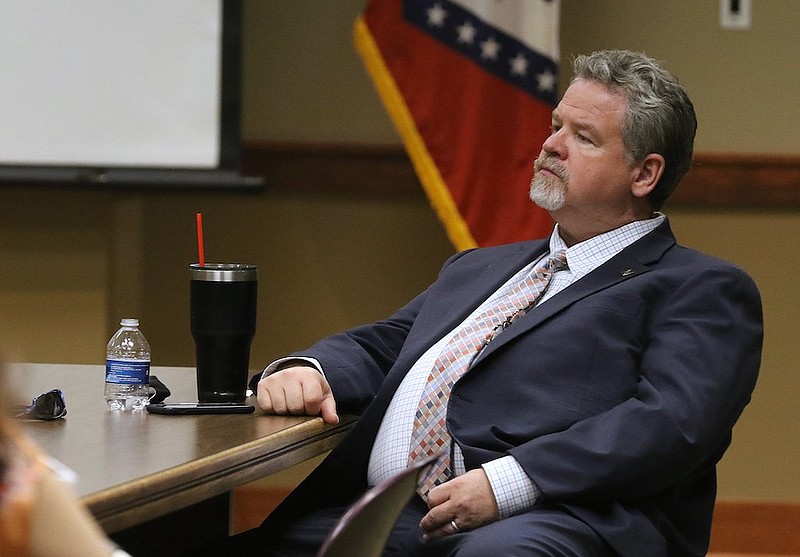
{"x":430,"y":436}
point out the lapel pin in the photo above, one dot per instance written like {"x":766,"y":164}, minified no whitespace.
{"x":628,"y":272}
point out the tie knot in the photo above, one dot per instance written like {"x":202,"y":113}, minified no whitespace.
{"x":557,"y":261}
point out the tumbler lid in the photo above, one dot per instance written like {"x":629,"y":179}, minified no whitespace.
{"x":223,"y":272}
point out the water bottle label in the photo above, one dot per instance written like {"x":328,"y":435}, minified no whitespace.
{"x":128,"y":372}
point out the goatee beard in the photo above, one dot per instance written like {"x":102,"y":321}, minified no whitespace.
{"x":549,"y":192}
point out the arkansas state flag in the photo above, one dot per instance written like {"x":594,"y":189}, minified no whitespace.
{"x":470,"y":86}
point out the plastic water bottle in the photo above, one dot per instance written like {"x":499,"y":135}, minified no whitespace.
{"x":127,"y":368}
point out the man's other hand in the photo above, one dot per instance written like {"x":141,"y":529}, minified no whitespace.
{"x":466,"y":501}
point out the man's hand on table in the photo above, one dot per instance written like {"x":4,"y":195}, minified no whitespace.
{"x":297,"y":391}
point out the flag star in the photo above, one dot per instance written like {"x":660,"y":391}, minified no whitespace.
{"x":519,"y":65}
{"x":466,"y":33}
{"x":547,"y":81}
{"x":436,"y":15}
{"x":490,"y":49}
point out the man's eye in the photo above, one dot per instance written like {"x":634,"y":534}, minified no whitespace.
{"x":583,"y":139}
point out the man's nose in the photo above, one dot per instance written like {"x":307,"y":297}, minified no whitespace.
{"x":554,"y":145}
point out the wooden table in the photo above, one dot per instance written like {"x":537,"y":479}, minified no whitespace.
{"x":140,"y":472}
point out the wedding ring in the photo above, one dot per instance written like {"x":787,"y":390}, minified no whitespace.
{"x":456,"y":529}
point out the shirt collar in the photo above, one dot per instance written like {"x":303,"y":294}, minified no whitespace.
{"x":586,"y":256}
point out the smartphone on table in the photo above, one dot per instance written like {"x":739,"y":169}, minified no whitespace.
{"x":184,"y":408}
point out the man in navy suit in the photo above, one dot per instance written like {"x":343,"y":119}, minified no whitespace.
{"x":592,"y":424}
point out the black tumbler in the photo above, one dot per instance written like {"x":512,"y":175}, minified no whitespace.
{"x":223,"y":322}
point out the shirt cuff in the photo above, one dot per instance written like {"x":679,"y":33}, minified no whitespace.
{"x":513,"y":489}
{"x":281,"y":363}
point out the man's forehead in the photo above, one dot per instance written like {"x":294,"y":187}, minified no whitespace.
{"x":586,"y":99}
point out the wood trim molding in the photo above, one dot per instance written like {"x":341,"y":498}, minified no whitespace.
{"x":252,"y":503}
{"x":331,"y":168}
{"x":733,"y":180}
{"x":756,"y":527}
{"x":716,"y":180}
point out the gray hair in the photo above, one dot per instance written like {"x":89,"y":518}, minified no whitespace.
{"x":659,"y":118}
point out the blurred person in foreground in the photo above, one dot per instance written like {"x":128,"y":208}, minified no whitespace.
{"x":40,"y":516}
{"x":587,"y":421}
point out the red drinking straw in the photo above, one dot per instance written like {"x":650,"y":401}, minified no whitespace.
{"x":201,"y":255}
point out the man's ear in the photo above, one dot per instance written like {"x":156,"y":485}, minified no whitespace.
{"x":648,"y":175}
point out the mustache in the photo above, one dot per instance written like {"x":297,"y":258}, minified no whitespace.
{"x":550,"y":163}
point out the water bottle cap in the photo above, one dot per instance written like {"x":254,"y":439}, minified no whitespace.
{"x":128,"y":322}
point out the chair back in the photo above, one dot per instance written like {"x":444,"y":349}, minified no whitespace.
{"x":362,"y":531}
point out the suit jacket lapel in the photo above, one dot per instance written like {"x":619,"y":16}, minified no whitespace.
{"x":634,"y":260}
